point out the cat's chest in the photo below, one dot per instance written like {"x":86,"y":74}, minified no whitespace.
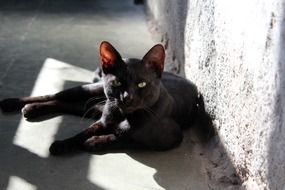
{"x":137,"y":123}
{"x":140,"y":119}
{"x":129,"y":124}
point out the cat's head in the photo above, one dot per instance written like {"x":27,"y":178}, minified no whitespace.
{"x":132,"y":84}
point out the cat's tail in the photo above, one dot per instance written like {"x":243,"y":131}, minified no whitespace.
{"x":204,"y":122}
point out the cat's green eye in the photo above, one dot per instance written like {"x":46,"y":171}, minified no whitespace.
{"x":141,"y":84}
{"x":116,"y":83}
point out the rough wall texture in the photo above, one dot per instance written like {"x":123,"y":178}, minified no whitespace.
{"x":235,"y":52}
{"x":168,"y":21}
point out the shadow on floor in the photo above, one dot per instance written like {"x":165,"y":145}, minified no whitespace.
{"x":69,"y":31}
{"x":70,"y":6}
{"x":40,"y":172}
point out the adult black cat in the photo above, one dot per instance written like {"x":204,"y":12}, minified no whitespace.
{"x":138,"y":104}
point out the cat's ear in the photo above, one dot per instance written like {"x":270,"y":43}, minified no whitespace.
{"x":110,"y":57}
{"x":154,"y":59}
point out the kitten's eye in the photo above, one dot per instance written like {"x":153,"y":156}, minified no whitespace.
{"x":116,"y":83}
{"x":141,"y":84}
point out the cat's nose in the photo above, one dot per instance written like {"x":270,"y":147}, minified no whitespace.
{"x":127,"y":97}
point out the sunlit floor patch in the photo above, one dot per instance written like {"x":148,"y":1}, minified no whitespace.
{"x":18,"y":183}
{"x":36,"y":137}
{"x":120,"y":172}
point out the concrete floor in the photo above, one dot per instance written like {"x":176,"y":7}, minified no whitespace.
{"x":46,"y":46}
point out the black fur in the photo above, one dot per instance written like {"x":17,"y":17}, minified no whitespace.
{"x":137,"y":103}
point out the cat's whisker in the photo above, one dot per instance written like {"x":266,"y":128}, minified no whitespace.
{"x":93,"y":99}
{"x":96,"y":113}
{"x":93,"y":108}
{"x":110,"y":102}
{"x":91,"y":118}
{"x":88,"y":111}
{"x":113,"y":104}
{"x":100,"y":103}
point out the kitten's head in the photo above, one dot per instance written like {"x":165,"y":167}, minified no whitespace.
{"x":132,"y":84}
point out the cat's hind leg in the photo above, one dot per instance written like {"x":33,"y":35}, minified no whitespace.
{"x":171,"y":136}
{"x":159,"y":135}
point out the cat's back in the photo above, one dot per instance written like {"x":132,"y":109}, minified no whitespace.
{"x":184,"y":93}
{"x":177,"y":85}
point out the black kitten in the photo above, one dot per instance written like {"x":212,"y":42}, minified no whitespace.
{"x":139,"y":104}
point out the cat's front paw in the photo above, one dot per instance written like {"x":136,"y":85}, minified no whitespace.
{"x":11,"y":105}
{"x":58,"y":148}
{"x":30,"y":111}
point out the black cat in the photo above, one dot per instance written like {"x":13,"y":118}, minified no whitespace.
{"x":138,"y":104}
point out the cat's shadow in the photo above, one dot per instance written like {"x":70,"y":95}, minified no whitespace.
{"x":180,"y":168}
{"x":22,"y":168}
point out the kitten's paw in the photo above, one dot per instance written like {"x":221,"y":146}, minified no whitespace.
{"x":11,"y":105}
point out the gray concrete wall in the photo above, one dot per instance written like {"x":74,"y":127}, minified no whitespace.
{"x":167,"y":21}
{"x":234,"y":52}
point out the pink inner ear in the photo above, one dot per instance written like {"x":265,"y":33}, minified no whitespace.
{"x":155,"y":58}
{"x":159,"y":61}
{"x":107,"y":60}
{"x":109,"y":55}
